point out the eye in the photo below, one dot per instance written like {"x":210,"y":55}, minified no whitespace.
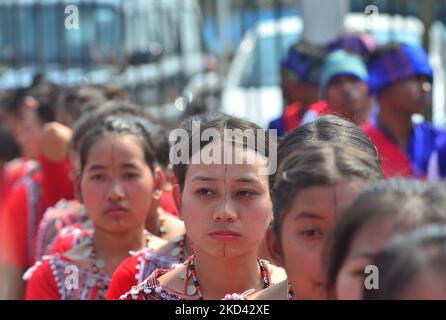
{"x":98,"y":177}
{"x":311,"y":233}
{"x":204,"y":192}
{"x":131,"y":175}
{"x":245,"y":193}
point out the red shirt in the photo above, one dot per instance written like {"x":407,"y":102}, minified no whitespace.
{"x":395,"y":162}
{"x":168,"y":204}
{"x":22,"y":212}
{"x":55,"y":180}
{"x":136,"y":269}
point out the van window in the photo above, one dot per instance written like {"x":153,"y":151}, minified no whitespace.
{"x":262,"y":68}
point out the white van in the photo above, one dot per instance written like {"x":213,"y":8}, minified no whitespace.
{"x":252,"y":88}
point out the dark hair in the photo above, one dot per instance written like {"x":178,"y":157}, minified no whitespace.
{"x":14,"y":100}
{"x":405,"y":257}
{"x":46,"y":95}
{"x":92,"y":118}
{"x":122,"y":108}
{"x":124,"y":125}
{"x":249,"y":131}
{"x":412,"y":202}
{"x":203,"y":118}
{"x":76,"y":101}
{"x":318,"y":165}
{"x":330,"y":129}
{"x":9,"y":148}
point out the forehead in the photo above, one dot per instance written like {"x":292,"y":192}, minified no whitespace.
{"x":113,"y":147}
{"x":327,"y":200}
{"x":373,"y":236}
{"x":230,"y":160}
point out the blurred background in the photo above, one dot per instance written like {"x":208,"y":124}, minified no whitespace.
{"x":180,"y":57}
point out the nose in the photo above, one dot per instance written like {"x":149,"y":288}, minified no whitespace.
{"x":225,"y":211}
{"x":116,"y":191}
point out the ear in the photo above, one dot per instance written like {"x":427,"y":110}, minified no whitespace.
{"x":171,"y":175}
{"x":31,"y":103}
{"x":274,"y":247}
{"x":176,"y":193}
{"x":158,"y":185}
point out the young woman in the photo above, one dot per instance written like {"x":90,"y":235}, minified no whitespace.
{"x":70,"y":212}
{"x":226,"y":208}
{"x":139,"y":266}
{"x":118,"y":176}
{"x":386,"y":209}
{"x":412,"y":266}
{"x":311,"y":188}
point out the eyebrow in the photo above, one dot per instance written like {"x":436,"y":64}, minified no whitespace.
{"x":128,"y":165}
{"x":247,"y":179}
{"x":308,"y":215}
{"x":96,"y":167}
{"x":203,"y":178}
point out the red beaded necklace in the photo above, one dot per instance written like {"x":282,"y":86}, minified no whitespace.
{"x":195,"y":288}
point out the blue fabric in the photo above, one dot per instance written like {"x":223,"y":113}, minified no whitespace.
{"x":407,"y":61}
{"x":279,"y":125}
{"x":421,"y":145}
{"x":301,"y":66}
{"x":342,"y":62}
{"x":441,"y":149}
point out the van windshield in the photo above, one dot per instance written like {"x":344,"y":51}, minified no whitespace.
{"x":34,"y":32}
{"x":262,"y":67}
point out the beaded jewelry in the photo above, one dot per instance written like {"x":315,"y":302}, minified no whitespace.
{"x":195,"y":288}
{"x":98,"y":265}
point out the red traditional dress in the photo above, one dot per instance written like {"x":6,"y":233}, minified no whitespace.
{"x":75,"y":274}
{"x":64,"y":214}
{"x":141,"y":265}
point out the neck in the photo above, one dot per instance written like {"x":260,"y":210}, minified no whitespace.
{"x":115,"y":247}
{"x":220,"y":276}
{"x":399,"y":124}
{"x":153,"y":222}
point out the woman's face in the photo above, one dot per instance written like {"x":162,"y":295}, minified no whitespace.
{"x":410,"y":95}
{"x":29,"y":130}
{"x":367,"y":242}
{"x":117,"y":184}
{"x":226,"y":208}
{"x":304,"y":230}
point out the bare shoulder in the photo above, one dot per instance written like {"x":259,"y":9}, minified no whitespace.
{"x":277,"y":274}
{"x":275,"y":292}
{"x":175,"y":227}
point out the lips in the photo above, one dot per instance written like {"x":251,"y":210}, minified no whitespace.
{"x":116,"y":210}
{"x":224,"y":235}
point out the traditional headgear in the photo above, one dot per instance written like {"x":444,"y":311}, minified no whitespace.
{"x":341,"y":62}
{"x":403,"y":61}
{"x":302,"y":62}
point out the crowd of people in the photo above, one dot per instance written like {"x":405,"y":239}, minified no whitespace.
{"x":92,"y":206}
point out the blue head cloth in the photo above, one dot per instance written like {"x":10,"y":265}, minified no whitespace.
{"x":405,"y":61}
{"x":301,"y":66}
{"x":341,"y":62}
